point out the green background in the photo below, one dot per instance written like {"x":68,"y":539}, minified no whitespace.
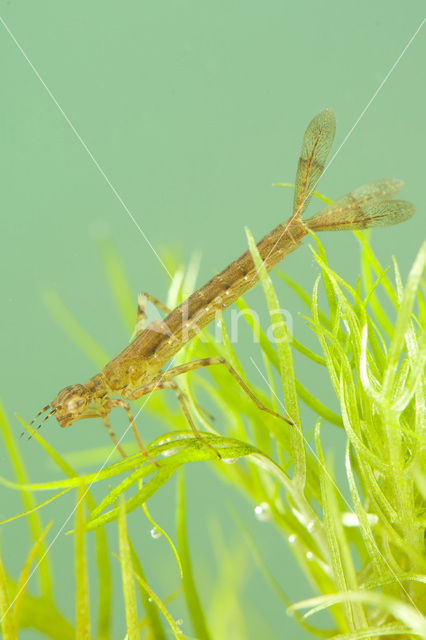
{"x":193,"y":110}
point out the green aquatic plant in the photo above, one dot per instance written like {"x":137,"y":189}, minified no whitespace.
{"x":360,"y":543}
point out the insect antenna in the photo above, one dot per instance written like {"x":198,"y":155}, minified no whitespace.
{"x":51,"y":413}
{"x":40,"y":413}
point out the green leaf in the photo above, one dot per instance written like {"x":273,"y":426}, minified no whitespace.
{"x":288,"y":379}
{"x":129,"y":593}
{"x":102,"y":553}
{"x":153,"y":621}
{"x":177,"y":632}
{"x":163,"y":533}
{"x":33,"y":519}
{"x":313,"y":403}
{"x":25,"y":514}
{"x":412,"y":619}
{"x":41,"y":615}
{"x":82,"y":608}
{"x":25,"y":575}
{"x":6,"y":611}
{"x":192,"y":598}
{"x":343,"y":570}
{"x":403,"y":320}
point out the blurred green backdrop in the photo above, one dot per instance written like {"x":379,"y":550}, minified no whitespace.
{"x":192,"y":109}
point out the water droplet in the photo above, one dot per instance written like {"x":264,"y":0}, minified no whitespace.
{"x":179,"y":622}
{"x":262,"y":512}
{"x":149,"y":599}
{"x":310,"y":526}
{"x":169,"y":452}
{"x":309,"y":555}
{"x":292,"y":538}
{"x":155,"y":533}
{"x":229,"y":460}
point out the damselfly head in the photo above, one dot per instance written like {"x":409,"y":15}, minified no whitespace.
{"x":70,"y":404}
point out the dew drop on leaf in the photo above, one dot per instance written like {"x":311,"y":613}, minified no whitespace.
{"x":262,"y":512}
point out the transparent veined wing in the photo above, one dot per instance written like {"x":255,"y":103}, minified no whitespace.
{"x":368,"y":206}
{"x":316,"y":146}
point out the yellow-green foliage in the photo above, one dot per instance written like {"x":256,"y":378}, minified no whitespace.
{"x":376,"y":364}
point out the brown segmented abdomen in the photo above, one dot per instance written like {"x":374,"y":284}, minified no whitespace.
{"x":183,"y":323}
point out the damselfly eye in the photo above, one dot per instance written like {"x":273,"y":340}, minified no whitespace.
{"x":74,"y":404}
